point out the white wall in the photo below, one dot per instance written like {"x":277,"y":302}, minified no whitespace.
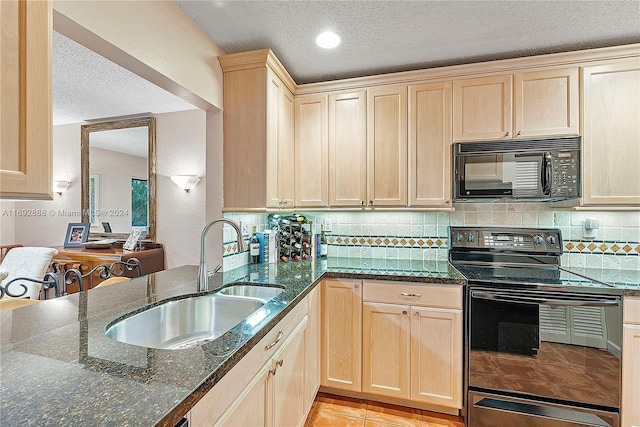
{"x":181,"y":150}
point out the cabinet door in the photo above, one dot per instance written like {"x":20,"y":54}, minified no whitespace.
{"x":546,"y":103}
{"x":387,"y":147}
{"x":430,"y":145}
{"x":482,"y":108}
{"x":611,"y":137}
{"x":436,"y":356}
{"x":347,"y":149}
{"x":280,"y":150}
{"x":287,"y":389}
{"x":385,"y":349}
{"x":249,"y":409}
{"x":25,"y":105}
{"x":311,"y":151}
{"x":630,"y":411}
{"x":341,"y":334}
{"x":313,"y":348}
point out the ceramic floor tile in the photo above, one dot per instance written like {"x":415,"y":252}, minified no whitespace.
{"x":432,"y":419}
{"x":341,"y":405}
{"x":372,"y":423}
{"x":392,"y":414}
{"x":331,"y":419}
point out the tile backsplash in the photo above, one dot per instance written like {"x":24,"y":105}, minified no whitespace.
{"x":424,"y":235}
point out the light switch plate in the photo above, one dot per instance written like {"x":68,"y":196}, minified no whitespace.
{"x":328,"y":225}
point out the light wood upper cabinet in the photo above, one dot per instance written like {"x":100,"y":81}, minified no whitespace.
{"x":546,"y":103}
{"x":482,"y":108}
{"x":430,"y":145}
{"x":26,"y":102}
{"x":258,"y":145}
{"x":341,"y":334}
{"x":368,"y":148}
{"x":630,"y":411}
{"x":347,"y":148}
{"x":311,"y":151}
{"x":526,"y":105}
{"x":387,"y":147}
{"x":611,"y":134}
{"x":385,"y":342}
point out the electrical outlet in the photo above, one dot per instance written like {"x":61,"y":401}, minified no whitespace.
{"x":328,"y":225}
{"x":245,"y":228}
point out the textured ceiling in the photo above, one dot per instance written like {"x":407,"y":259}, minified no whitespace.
{"x":87,"y":86}
{"x":378,"y":37}
{"x":387,"y":36}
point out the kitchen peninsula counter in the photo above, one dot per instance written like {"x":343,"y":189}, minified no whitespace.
{"x":58,"y":367}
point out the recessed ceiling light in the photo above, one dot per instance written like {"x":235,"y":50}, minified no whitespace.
{"x":328,"y":40}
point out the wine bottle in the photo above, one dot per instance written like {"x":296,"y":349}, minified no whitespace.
{"x":254,"y":247}
{"x":323,"y":243}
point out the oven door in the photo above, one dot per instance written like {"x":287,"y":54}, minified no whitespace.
{"x":553,"y":347}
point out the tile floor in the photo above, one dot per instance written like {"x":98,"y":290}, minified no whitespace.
{"x":337,"y":411}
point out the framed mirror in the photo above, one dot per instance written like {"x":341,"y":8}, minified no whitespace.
{"x":119,"y":177}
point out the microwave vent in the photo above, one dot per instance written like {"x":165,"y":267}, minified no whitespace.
{"x":556,"y":144}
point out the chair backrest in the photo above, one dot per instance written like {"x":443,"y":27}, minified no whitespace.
{"x":128,"y":268}
{"x":27,"y":263}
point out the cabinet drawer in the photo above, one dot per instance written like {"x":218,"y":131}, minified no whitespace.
{"x":426,"y":294}
{"x":632,"y":310}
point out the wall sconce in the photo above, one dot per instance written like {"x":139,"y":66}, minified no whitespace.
{"x":186,"y":182}
{"x":60,"y":186}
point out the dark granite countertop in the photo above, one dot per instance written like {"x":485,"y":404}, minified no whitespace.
{"x":58,"y":368}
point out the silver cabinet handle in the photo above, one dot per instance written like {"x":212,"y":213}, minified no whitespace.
{"x":371,"y":202}
{"x":519,"y":132}
{"x":406,"y":294}
{"x":362,"y":202}
{"x":273,"y":371}
{"x":507,"y":134}
{"x":278,"y":338}
{"x":280,"y":362}
{"x":415,"y":313}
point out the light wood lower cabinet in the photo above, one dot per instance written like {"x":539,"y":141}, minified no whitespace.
{"x":341,"y":334}
{"x":385,"y":342}
{"x":410,"y":351}
{"x":630,"y":410}
{"x":281,"y":391}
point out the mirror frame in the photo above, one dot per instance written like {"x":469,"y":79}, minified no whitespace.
{"x":85,"y":132}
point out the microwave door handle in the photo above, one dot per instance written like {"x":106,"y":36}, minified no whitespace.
{"x":546,"y":174}
{"x":545,"y":301}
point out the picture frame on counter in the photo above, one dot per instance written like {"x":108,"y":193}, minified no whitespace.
{"x":132,"y":240}
{"x":77,"y":234}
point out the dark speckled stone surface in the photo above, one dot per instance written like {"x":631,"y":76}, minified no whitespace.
{"x":58,"y":368}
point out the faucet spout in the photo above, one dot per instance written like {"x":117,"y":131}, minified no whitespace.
{"x":202,"y":268}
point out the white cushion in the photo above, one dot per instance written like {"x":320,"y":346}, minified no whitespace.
{"x":31,"y":262}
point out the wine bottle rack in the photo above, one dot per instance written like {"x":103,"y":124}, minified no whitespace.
{"x":294,"y":240}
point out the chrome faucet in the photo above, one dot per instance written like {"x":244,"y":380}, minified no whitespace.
{"x":202,"y":268}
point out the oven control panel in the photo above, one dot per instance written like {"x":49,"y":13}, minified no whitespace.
{"x":507,"y":239}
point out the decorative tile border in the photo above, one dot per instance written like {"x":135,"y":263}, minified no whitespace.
{"x":603,"y":247}
{"x":388,"y":241}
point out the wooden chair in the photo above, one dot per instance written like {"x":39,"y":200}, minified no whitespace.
{"x":118,"y":271}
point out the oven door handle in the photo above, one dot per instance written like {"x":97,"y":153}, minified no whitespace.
{"x":546,"y":301}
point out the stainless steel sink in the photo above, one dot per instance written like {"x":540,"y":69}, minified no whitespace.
{"x":184,"y":323}
{"x":263,"y":292}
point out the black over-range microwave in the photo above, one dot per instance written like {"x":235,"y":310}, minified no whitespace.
{"x":526,"y":170}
